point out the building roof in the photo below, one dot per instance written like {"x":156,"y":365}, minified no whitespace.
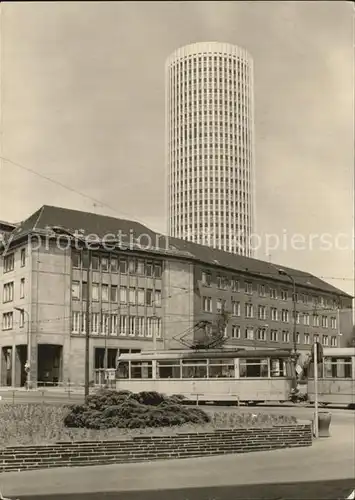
{"x":130,"y":231}
{"x":7,"y":226}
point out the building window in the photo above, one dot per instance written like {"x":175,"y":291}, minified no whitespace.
{"x":157,"y":271}
{"x":84,"y":290}
{"x":297,"y":338}
{"x":95,"y":292}
{"x":333,"y":341}
{"x":307,"y":338}
{"x":95,"y":323}
{"x":114,"y":294}
{"x":76,"y":260}
{"x":248,"y":287}
{"x":8,"y":292}
{"x":316,"y":337}
{"x":273,"y":293}
{"x":149,"y":297}
{"x":140,"y":268}
{"x":207,"y":304}
{"x":274,"y":314}
{"x":95,"y":263}
{"x":140,"y":296}
{"x":22,"y":288}
{"x":9,"y":263}
{"x":105,"y":324}
{"x":235,"y":308}
{"x":221,"y":282}
{"x":149,"y":269}
{"x":123,"y":325}
{"x":235,"y":285}
{"x":132,"y":266}
{"x":83,"y":323}
{"x":132,"y":296}
{"x":75,"y":290}
{"x":325,"y":340}
{"x":249,"y":310}
{"x":235,"y":332}
{"x":157,"y":298}
{"x":206,"y":278}
{"x":225,"y":333}
{"x":23,"y":257}
{"x":123,"y":266}
{"x":75,"y":322}
{"x":22,"y":318}
{"x":325,"y":321}
{"x":297,"y":317}
{"x":274,"y":335}
{"x":140,"y":326}
{"x":262,"y":290}
{"x":315,"y":320}
{"x":7,"y":321}
{"x":114,"y":265}
{"x":333,"y":323}
{"x":123,"y":295}
{"x":221,"y":304}
{"x":261,"y":333}
{"x":262,"y":312}
{"x":158,"y":327}
{"x":150,"y":326}
{"x":285,"y":336}
{"x":249,"y":333}
{"x":104,"y":293}
{"x":113,"y":324}
{"x":306,"y":319}
{"x":285,"y":317}
{"x":284,"y":294}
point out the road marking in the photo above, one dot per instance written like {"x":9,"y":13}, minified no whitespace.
{"x":351,"y":496}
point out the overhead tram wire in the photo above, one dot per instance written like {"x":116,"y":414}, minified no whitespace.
{"x":73,"y":190}
{"x":135,"y":219}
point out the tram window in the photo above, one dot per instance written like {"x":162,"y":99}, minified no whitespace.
{"x":194,"y":368}
{"x":141,"y":369}
{"x":278,"y":368}
{"x":221,"y":368}
{"x":337,"y":368}
{"x":168,"y":369}
{"x":253,"y":368}
{"x":123,"y":369}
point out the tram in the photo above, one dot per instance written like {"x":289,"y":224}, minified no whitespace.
{"x":213,"y":375}
{"x":336,"y":377}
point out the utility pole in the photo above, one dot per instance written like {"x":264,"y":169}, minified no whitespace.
{"x":294,"y":333}
{"x":87,"y":333}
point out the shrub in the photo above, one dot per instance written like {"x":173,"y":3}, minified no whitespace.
{"x":108,"y":409}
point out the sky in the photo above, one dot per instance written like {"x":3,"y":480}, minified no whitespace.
{"x":82,"y":103}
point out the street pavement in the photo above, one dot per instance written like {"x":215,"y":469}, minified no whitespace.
{"x":291,"y":491}
{"x":254,"y":475}
{"x":329,"y":459}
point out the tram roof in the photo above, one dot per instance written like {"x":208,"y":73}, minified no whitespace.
{"x":219,"y":354}
{"x":339,"y":351}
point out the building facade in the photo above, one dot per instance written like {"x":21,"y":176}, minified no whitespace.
{"x":210,"y":146}
{"x":142,"y":299}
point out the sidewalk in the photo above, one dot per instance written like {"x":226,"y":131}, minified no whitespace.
{"x":328,"y":459}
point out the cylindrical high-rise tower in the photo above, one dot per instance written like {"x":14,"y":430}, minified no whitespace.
{"x":210,"y":146}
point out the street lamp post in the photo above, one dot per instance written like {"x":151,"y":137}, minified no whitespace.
{"x":28,"y":361}
{"x":294,"y":333}
{"x":294,"y":336}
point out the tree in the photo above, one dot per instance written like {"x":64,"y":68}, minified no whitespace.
{"x":212,"y":333}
